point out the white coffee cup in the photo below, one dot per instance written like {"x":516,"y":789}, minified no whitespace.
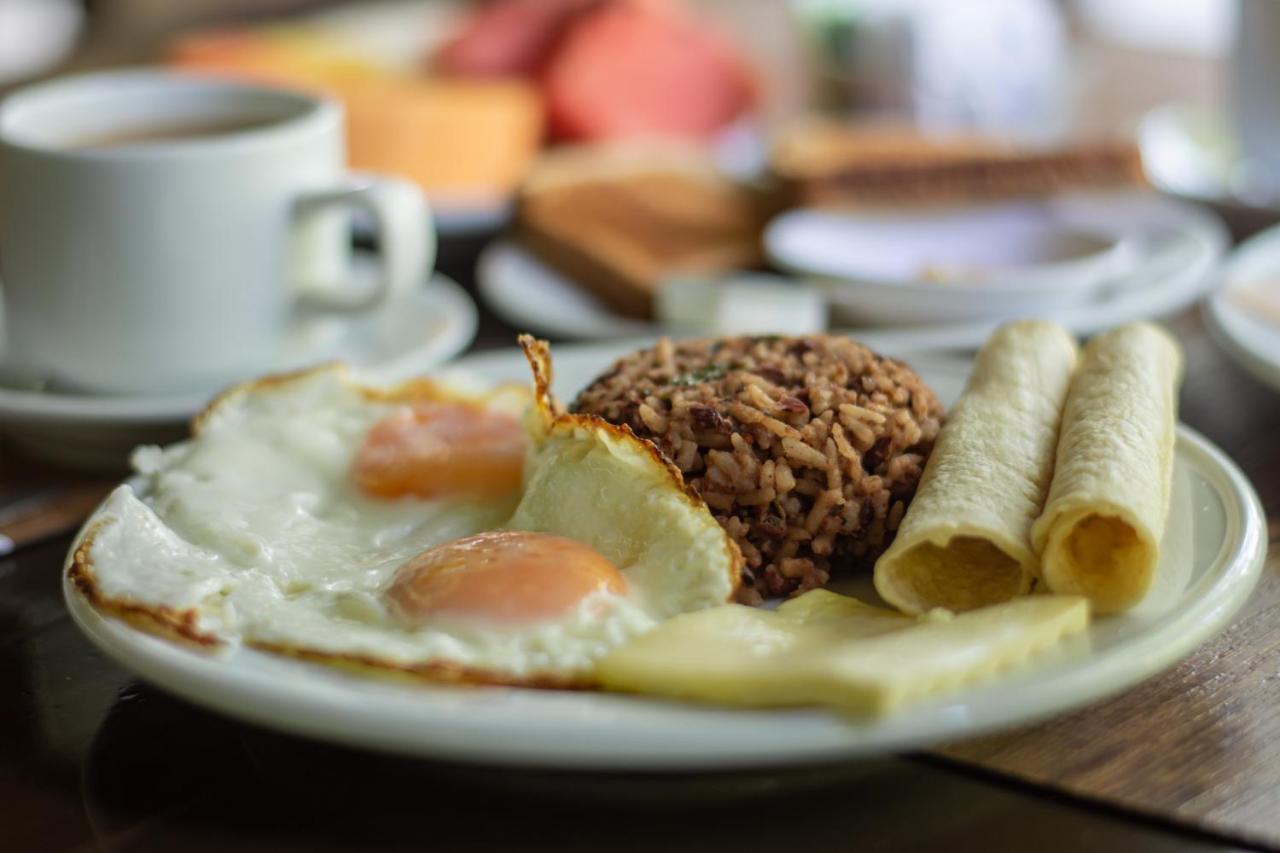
{"x":162,"y":232}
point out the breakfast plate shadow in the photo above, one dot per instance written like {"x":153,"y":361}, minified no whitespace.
{"x":413,"y":334}
{"x":1212,"y":555}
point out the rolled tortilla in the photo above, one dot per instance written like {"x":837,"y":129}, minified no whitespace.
{"x":965,"y":541}
{"x":1099,"y":535}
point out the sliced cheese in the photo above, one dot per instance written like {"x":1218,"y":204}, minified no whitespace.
{"x":826,"y":649}
{"x":965,"y":541}
{"x":1100,"y":532}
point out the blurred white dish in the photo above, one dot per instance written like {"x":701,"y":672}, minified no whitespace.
{"x":870,"y":264}
{"x":410,"y":335}
{"x":534,"y":298}
{"x":1246,"y":334}
{"x":1190,"y":151}
{"x":1193,"y":153}
{"x":531,"y":296}
{"x":951,"y":264}
{"x":1177,"y":246}
{"x":1210,"y":560}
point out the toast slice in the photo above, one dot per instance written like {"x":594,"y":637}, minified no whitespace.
{"x":618,"y":221}
{"x":824,"y":164}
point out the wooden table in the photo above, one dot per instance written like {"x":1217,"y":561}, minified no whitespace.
{"x":1200,"y":744}
{"x":92,"y":759}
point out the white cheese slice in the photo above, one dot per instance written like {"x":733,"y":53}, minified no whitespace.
{"x":827,"y":649}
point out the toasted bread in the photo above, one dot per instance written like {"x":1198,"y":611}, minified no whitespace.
{"x":620,"y":220}
{"x":848,"y":164}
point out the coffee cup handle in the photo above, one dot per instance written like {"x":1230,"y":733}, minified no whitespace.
{"x":406,"y":239}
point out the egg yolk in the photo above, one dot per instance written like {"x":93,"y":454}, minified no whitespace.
{"x":435,"y":450}
{"x":507,"y":576}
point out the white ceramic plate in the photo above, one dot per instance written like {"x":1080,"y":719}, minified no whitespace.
{"x":413,"y":335}
{"x":1170,"y":252}
{"x":1177,"y":245}
{"x":1252,"y":341}
{"x":965,"y":262}
{"x":1213,"y":552}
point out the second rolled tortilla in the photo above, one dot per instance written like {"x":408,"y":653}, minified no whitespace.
{"x":965,"y":541}
{"x":1100,"y":532}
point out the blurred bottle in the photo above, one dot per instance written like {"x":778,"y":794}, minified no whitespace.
{"x":987,"y":66}
{"x":1255,"y":70}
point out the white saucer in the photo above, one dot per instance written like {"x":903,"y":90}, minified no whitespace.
{"x":1211,"y":558}
{"x":1178,"y":247}
{"x":1251,"y":341}
{"x":409,"y":336}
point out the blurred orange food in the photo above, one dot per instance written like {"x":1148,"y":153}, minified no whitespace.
{"x":463,"y":140}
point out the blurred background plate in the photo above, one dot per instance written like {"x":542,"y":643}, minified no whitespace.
{"x":1191,"y":152}
{"x":1243,"y":315}
{"x":959,"y":262}
{"x":1176,"y":247}
{"x":531,"y":296}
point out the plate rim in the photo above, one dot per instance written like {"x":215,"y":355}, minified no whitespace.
{"x":253,"y":697}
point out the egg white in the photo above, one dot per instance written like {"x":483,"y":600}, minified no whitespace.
{"x":254,"y":532}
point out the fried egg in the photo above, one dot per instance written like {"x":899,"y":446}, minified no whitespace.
{"x":426,"y":529}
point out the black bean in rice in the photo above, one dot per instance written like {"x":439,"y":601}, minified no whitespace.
{"x":807,"y":450}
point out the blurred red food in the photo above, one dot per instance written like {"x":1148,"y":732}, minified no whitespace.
{"x":508,"y":37}
{"x":629,"y":69}
{"x":609,"y":68}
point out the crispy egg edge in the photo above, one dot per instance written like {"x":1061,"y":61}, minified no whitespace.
{"x":180,"y":626}
{"x":167,"y":622}
{"x":556,"y":419}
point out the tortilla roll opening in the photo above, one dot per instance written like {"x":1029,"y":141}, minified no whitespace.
{"x":1102,"y":557}
{"x":962,"y":573}
{"x":965,"y":540}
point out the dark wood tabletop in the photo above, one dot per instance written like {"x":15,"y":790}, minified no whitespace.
{"x":93,"y":759}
